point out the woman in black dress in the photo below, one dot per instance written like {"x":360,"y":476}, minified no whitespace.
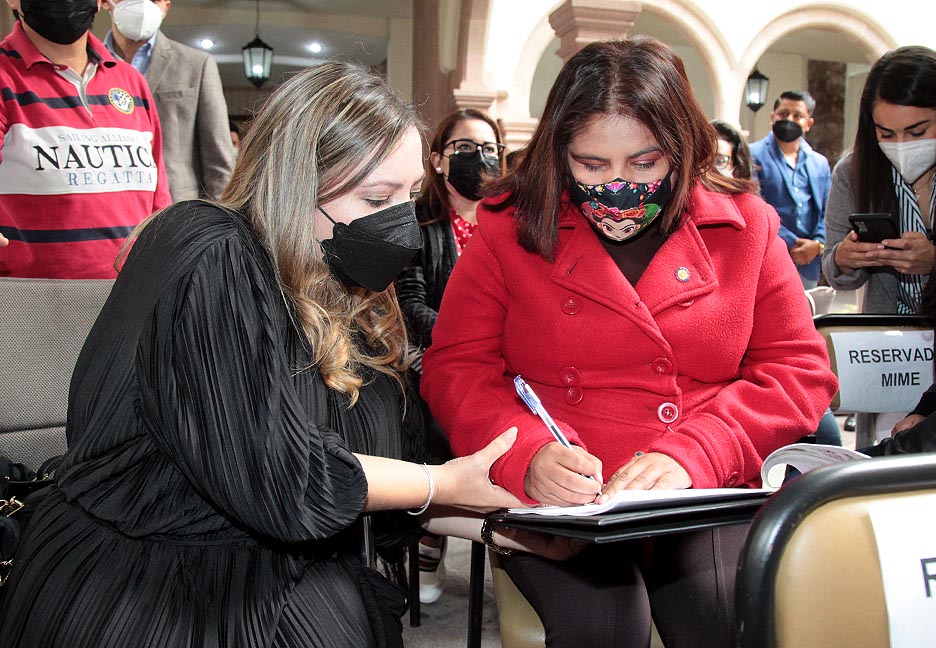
{"x":465,"y":149}
{"x":237,"y":405}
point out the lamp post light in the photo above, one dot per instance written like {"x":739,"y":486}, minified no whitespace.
{"x":258,"y":57}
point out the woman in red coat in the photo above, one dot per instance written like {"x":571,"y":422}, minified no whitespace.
{"x":651,"y":305}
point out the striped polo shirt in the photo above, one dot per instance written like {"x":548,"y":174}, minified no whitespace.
{"x":80,"y":161}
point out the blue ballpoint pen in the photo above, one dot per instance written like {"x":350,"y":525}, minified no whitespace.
{"x":536,"y":406}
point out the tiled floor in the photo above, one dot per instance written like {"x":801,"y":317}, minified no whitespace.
{"x":445,"y":622}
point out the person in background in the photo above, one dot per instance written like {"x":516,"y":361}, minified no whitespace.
{"x":189,"y":98}
{"x":466,"y":149}
{"x":890,"y":170}
{"x":916,"y":432}
{"x":733,"y":158}
{"x":76,"y":180}
{"x":606,"y":271}
{"x":795,"y":180}
{"x":238,"y":405}
{"x":235,"y":135}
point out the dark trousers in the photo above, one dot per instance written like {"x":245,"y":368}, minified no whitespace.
{"x":605,"y":596}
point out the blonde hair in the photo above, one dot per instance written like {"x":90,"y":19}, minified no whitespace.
{"x":303,"y":149}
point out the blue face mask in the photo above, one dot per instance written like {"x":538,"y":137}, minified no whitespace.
{"x":619,"y":209}
{"x":372,"y":250}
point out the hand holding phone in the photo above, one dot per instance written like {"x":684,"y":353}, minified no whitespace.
{"x":874,"y":228}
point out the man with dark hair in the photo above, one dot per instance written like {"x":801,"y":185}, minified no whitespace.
{"x":796,"y":180}
{"x":80,"y":146}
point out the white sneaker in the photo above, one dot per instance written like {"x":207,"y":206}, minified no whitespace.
{"x":431,"y":581}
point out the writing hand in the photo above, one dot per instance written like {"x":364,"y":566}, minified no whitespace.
{"x":653,"y":471}
{"x":562,"y":476}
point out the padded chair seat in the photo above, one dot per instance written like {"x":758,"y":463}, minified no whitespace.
{"x":44,"y":323}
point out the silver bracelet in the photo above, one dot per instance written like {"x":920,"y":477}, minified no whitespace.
{"x":422,"y":509}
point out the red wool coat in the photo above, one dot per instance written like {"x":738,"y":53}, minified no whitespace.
{"x":712,"y":358}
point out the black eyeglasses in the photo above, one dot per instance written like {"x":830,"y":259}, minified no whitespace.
{"x":471,"y":147}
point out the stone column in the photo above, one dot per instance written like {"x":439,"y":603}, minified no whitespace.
{"x":826,"y":81}
{"x":580,"y":22}
{"x":517,"y":132}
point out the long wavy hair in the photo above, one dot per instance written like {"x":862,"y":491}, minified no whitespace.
{"x":906,"y":77}
{"x":640,"y":78}
{"x":318,"y":136}
{"x":434,"y":192}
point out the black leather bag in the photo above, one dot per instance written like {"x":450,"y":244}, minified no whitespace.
{"x":21,"y":490}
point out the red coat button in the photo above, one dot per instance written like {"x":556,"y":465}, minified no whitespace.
{"x":732,"y":479}
{"x":571,"y":307}
{"x":570,"y":376}
{"x":574,"y":395}
{"x":663,"y":366}
{"x":668,"y":412}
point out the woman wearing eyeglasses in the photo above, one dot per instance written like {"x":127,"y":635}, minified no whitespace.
{"x":733,"y":159}
{"x":466,"y":148}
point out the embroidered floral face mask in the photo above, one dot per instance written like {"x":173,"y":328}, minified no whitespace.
{"x":619,"y":209}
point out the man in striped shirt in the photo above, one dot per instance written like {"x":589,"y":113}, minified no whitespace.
{"x":80,"y":146}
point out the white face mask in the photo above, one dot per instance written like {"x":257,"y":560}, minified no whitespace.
{"x":912,"y":158}
{"x":138,"y":20}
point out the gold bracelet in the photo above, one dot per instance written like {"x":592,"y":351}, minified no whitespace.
{"x":487,"y":536}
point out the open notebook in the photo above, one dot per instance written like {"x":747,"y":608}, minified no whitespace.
{"x":802,"y":456}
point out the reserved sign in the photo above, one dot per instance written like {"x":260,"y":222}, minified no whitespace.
{"x":905,"y":533}
{"x":882,"y":371}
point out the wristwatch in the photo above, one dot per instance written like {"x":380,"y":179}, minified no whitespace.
{"x":487,"y":536}
{"x":821,"y":246}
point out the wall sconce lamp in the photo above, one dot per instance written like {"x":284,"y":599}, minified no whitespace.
{"x":755,"y":90}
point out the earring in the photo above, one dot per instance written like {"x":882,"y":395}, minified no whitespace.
{"x":438,"y":169}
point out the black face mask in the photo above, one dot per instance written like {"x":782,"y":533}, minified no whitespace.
{"x":467,"y":171}
{"x":371,"y":251}
{"x":59,"y":21}
{"x":787,"y":131}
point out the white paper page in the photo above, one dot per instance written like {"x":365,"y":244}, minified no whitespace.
{"x":637,"y":499}
{"x":905,"y":532}
{"x":805,"y":457}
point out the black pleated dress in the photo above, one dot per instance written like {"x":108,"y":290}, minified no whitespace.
{"x":209,"y":496}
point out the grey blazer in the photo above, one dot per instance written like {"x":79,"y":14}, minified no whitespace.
{"x":197,"y":147}
{"x":881,"y":283}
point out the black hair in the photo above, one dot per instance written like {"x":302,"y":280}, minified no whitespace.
{"x":797,"y":95}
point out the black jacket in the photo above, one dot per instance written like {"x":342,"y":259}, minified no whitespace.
{"x":420,"y":286}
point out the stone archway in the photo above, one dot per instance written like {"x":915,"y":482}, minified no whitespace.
{"x":700,"y":32}
{"x":826,"y":80}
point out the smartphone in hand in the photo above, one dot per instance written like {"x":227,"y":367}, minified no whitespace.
{"x":874,"y":228}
